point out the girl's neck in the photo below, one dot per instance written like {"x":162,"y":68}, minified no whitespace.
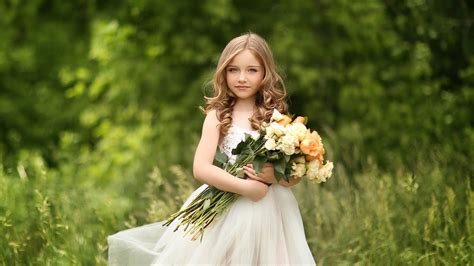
{"x":243,"y":110}
{"x":245,"y":105}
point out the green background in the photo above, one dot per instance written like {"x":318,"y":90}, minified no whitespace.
{"x":99,"y":119}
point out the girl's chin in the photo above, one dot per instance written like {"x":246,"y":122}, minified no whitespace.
{"x":245,"y":97}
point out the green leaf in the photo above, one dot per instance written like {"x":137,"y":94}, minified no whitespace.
{"x":220,"y":159}
{"x":247,"y":154}
{"x":279,"y":166}
{"x":243,"y":146}
{"x":287,"y":176}
{"x":258,"y":163}
{"x":238,"y":148}
{"x":272,"y":156}
{"x":247,"y":136}
{"x":279,"y":176}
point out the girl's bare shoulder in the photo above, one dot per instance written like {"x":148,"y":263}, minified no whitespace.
{"x":211,"y":119}
{"x":211,"y":126}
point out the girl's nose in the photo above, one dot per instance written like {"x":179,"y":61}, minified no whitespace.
{"x":242,"y":77}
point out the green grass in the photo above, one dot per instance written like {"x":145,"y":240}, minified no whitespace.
{"x":61,"y":216}
{"x":390,"y":219}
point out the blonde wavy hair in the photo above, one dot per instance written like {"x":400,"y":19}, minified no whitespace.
{"x":272,"y":92}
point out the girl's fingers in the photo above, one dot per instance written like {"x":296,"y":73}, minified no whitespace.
{"x":251,"y":174}
{"x":250,"y":169}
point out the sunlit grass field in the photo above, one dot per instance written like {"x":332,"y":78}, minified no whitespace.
{"x":62,"y":216}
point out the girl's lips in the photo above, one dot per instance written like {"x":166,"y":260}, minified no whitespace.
{"x":242,"y":87}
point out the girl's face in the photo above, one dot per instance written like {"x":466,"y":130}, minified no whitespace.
{"x":244,"y":74}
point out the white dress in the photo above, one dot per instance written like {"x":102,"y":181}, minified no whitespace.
{"x":266,"y":232}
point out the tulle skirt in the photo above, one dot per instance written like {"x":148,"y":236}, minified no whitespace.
{"x":266,"y":232}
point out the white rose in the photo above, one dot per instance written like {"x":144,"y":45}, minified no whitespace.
{"x":300,"y":159}
{"x":289,"y":140}
{"x":287,"y":144}
{"x":269,"y":132}
{"x":326,"y":170}
{"x":278,"y":129}
{"x":274,"y":130}
{"x":321,"y":178}
{"x":287,"y":148}
{"x":276,"y":116}
{"x":298,"y":169}
{"x":270,"y":144}
{"x":255,"y":136}
{"x":312,"y":169}
{"x":297,"y":129}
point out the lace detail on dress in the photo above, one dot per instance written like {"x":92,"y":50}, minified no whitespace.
{"x":235,"y":135}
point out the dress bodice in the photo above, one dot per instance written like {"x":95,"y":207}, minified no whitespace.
{"x":235,"y":135}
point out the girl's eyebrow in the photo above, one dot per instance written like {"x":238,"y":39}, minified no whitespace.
{"x":237,"y":66}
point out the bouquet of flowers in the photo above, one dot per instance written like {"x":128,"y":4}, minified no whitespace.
{"x":292,"y":148}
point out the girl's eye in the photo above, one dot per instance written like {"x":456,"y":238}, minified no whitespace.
{"x":232,"y":69}
{"x":253,"y":70}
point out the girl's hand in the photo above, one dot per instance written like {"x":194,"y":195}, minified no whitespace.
{"x":255,"y":190}
{"x":266,"y":174}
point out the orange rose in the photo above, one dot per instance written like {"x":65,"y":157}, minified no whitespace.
{"x":310,"y":158}
{"x":300,"y":119}
{"x":285,"y":120}
{"x":312,"y":146}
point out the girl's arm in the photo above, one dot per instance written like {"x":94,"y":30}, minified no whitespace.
{"x":206,"y":172}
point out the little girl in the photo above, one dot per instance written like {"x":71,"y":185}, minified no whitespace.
{"x":264,"y":225}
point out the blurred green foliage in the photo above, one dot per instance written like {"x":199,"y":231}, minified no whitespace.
{"x":99,"y":120}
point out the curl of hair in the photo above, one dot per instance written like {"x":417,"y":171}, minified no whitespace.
{"x":272,"y":92}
